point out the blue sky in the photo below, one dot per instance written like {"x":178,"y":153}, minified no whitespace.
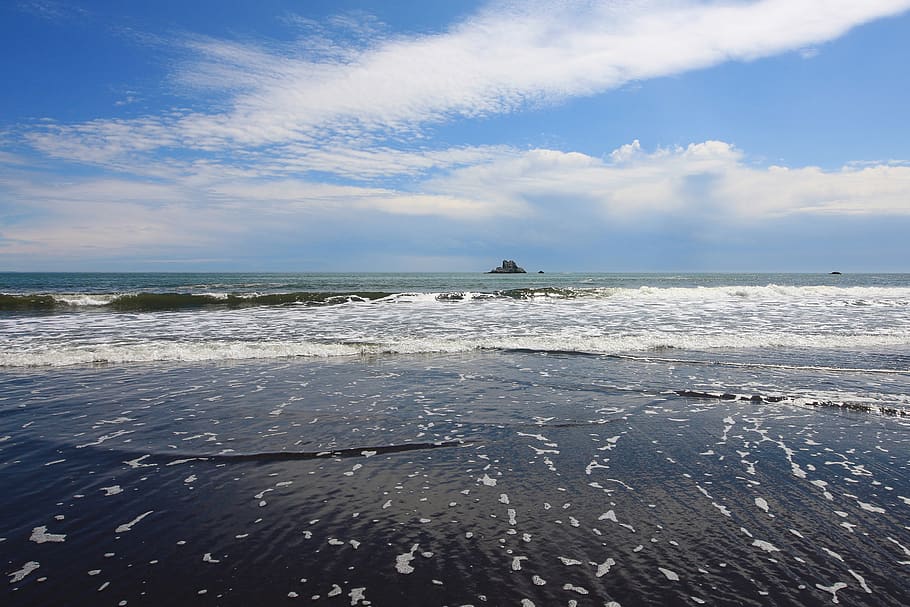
{"x":581,"y":135}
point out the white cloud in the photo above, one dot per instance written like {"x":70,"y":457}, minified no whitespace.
{"x":553,"y":194}
{"x":710,"y":179}
{"x":779,"y":191}
{"x":504,"y":58}
{"x":297,"y":196}
{"x":48,"y":216}
{"x":112,"y":229}
{"x":104,"y":142}
{"x":104,"y":190}
{"x":12,"y":159}
{"x":362,"y":163}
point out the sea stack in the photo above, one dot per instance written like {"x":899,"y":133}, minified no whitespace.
{"x":508,"y":267}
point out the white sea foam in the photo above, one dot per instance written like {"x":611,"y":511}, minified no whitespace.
{"x":85,"y":299}
{"x":870,"y":507}
{"x":27,"y":568}
{"x":815,"y":330}
{"x":205,"y":350}
{"x":852,"y":295}
{"x":600,"y":321}
{"x":402,"y":561}
{"x":129,"y":526}
{"x":40,"y":535}
{"x":766,"y":546}
{"x":604,"y":568}
{"x":861,"y":580}
{"x":608,"y":515}
{"x":486,"y":480}
{"x":855,"y":295}
{"x":169,"y":351}
{"x":833,"y":589}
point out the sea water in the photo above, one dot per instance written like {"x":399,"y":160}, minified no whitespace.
{"x":450,"y":439}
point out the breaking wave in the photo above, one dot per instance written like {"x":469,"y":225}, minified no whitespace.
{"x":154,"y":301}
{"x":631,"y":347}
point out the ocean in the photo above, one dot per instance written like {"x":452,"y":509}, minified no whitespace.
{"x":455,"y":439}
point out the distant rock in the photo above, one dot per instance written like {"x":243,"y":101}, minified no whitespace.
{"x":835,"y":272}
{"x":508,"y":267}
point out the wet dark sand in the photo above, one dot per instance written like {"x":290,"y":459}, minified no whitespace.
{"x":492,"y":479}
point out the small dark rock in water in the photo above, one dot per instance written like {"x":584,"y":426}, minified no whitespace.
{"x":508,"y":267}
{"x":835,"y":272}
{"x":540,"y":271}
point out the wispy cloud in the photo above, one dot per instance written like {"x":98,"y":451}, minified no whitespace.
{"x":358,"y":28}
{"x":12,"y":159}
{"x":51,"y":10}
{"x":505,"y":58}
{"x":364,"y":164}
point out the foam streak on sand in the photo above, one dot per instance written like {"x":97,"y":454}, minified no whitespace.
{"x":129,"y":526}
{"x":403,"y":561}
{"x":27,"y":568}
{"x":833,"y":590}
{"x":670,"y":575}
{"x":40,"y":536}
{"x":604,"y":568}
{"x":766,"y":546}
{"x":861,"y":580}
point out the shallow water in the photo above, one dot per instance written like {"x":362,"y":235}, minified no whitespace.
{"x":839,"y":322}
{"x":498,"y":478}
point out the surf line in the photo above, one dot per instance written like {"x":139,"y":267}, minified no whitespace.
{"x":755,"y":365}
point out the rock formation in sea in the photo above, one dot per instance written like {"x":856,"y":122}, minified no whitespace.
{"x":508,"y":267}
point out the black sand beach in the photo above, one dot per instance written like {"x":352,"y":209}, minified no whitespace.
{"x":498,"y":479}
